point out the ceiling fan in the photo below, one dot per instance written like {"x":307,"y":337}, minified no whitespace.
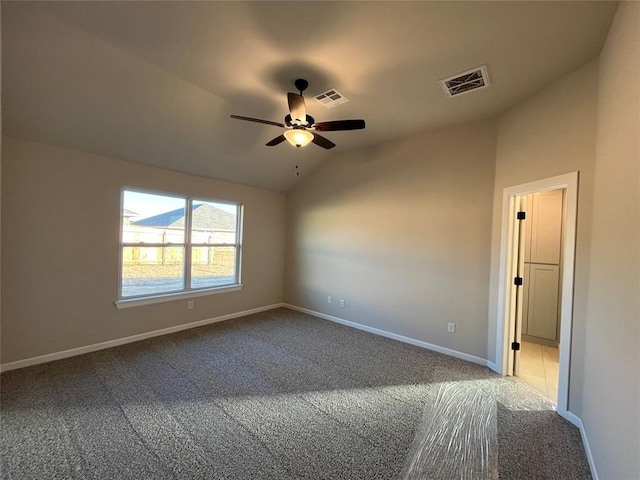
{"x":301,"y":127}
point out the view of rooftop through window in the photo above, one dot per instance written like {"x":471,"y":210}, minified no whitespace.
{"x":172,"y":244}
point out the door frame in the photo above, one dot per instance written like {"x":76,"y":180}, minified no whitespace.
{"x":505,"y":320}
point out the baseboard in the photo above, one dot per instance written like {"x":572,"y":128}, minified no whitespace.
{"x":493,"y":367}
{"x":577,"y":421}
{"x":570,"y":417}
{"x":394,"y":336}
{"x":50,"y":357}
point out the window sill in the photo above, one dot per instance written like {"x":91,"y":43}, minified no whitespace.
{"x":170,"y":297}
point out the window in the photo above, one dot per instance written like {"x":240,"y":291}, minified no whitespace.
{"x":173,"y":244}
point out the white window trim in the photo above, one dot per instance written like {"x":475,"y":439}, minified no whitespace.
{"x":170,"y":297}
{"x":187,"y":292}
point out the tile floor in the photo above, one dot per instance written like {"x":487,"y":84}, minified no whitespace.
{"x":539,"y":368}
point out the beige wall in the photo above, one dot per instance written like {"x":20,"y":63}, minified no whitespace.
{"x":550,"y":134}
{"x":401,"y":232}
{"x":611,"y":392}
{"x":60,"y":224}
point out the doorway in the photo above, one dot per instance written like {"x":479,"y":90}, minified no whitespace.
{"x":519,"y":321}
{"x":540,"y":231}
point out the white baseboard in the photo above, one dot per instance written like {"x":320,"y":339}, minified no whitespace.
{"x":570,"y":417}
{"x":50,"y":357}
{"x":394,"y":336}
{"x":493,"y":367}
{"x":577,"y":421}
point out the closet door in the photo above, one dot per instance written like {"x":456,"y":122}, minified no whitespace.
{"x":546,"y":227}
{"x":542,"y":304}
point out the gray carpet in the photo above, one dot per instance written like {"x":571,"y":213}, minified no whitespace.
{"x":278,"y":395}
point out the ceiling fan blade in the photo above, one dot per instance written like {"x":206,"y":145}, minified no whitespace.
{"x":339,"y":125}
{"x":276,"y":141}
{"x":258,"y":120}
{"x":322,"y":142}
{"x":297,"y":108}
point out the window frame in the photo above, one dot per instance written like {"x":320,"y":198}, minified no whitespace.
{"x":187,"y":291}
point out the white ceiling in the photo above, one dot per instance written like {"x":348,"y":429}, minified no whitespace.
{"x":155,"y":82}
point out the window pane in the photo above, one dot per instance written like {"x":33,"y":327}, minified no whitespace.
{"x":150,"y":270}
{"x":213,"y":222}
{"x":213,"y":266}
{"x":149,"y":218}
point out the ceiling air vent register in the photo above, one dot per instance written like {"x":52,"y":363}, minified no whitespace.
{"x":465,"y":82}
{"x":331,"y":98}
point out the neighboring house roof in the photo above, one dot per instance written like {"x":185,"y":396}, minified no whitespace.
{"x":129,"y":213}
{"x":205,"y":217}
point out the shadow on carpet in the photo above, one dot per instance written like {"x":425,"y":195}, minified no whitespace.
{"x":539,"y":445}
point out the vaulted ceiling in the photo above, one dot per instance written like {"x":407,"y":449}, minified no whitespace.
{"x":155,"y":82}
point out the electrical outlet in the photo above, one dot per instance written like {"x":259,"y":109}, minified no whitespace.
{"x":451,"y":327}
{"x":190,"y":304}
{"x":329,"y":299}
{"x":342,"y":302}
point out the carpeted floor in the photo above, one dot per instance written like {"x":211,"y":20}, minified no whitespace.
{"x":278,"y":395}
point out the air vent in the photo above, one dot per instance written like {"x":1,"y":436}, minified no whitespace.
{"x":465,"y":82}
{"x":331,"y":98}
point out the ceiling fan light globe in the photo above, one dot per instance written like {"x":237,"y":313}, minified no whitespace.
{"x":298,"y":137}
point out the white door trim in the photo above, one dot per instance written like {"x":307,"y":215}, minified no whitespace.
{"x":569,"y":182}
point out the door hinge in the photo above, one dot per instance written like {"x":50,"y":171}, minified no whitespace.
{"x":521,"y":215}
{"x":517,"y":281}
{"x":515,"y":346}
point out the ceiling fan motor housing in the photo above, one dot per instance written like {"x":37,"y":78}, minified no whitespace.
{"x":289,"y":121}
